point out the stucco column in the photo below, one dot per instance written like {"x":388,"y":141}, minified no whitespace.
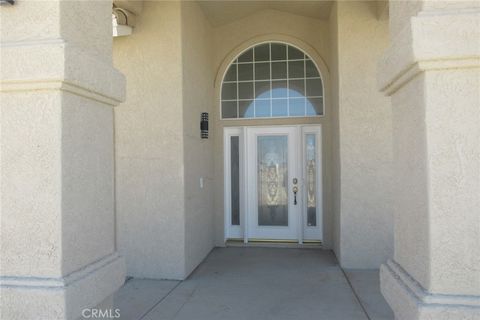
{"x":58,"y":88}
{"x":432,"y":73}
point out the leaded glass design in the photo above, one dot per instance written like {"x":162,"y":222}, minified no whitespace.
{"x":272,"y":80}
{"x":272,"y":153}
{"x":311,"y":180}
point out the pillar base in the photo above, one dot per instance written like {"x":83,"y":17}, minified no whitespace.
{"x":61,"y":298}
{"x":410,"y":301}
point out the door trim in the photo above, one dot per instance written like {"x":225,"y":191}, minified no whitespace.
{"x":241,"y":232}
{"x":233,"y":232}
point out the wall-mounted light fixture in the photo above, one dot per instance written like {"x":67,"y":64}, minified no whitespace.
{"x":7,"y":1}
{"x":204,"y":125}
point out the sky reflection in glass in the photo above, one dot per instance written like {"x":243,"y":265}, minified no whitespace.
{"x":272,"y":80}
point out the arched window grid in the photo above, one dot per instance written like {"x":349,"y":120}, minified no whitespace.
{"x":299,"y":90}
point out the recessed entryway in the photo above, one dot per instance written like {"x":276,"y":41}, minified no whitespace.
{"x":259,"y":283}
{"x":273,"y":183}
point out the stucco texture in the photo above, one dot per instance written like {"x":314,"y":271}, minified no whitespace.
{"x":437,"y":187}
{"x":363,"y":142}
{"x":149,"y":144}
{"x":174,"y":62}
{"x":58,"y":89}
{"x":436,"y":98}
{"x":164,"y":218}
{"x":335,"y":154}
{"x":198,"y":153}
{"x":64,"y":157}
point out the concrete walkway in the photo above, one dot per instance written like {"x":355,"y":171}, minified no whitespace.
{"x":258,"y":283}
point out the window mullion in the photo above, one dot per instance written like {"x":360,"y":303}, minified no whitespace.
{"x":290,"y":81}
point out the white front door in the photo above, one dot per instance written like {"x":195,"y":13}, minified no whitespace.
{"x":271,"y":169}
{"x":273,"y":183}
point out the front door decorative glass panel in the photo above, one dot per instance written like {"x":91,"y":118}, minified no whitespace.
{"x":272,"y":80}
{"x":272,"y":156}
{"x":311,"y":180}
{"x":271,"y":168}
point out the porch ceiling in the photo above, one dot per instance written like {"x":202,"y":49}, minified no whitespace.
{"x":223,"y":12}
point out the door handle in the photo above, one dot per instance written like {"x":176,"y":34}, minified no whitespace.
{"x":295,"y":190}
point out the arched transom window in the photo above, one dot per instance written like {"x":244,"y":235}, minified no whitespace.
{"x":272,"y":80}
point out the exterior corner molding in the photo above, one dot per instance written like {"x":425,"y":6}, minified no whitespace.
{"x":409,"y":300}
{"x":420,"y":47}
{"x":424,"y":296}
{"x":411,"y":71}
{"x":70,"y":294}
{"x":25,"y":67}
{"x":61,"y":85}
{"x":58,"y":283}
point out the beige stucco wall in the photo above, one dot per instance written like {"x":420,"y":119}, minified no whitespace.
{"x":432,"y":73}
{"x":335,"y":153}
{"x":363,"y":140}
{"x":401,"y":11}
{"x":164,"y":218}
{"x":437,"y":179}
{"x":149,"y":145}
{"x":198,"y":153}
{"x":76,"y":228}
{"x":174,"y":62}
{"x":57,"y":91}
{"x":312,"y":35}
{"x":449,"y":214}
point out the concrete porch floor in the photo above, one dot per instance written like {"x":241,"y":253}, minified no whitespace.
{"x":258,"y":283}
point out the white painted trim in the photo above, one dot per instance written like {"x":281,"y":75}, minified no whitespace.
{"x":243,"y":185}
{"x":229,"y":230}
{"x":246,"y":166}
{"x":276,"y":118}
{"x":272,"y":232}
{"x":265,"y":99}
{"x":301,"y":184}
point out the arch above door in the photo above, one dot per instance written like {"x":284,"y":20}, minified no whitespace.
{"x":310,"y":55}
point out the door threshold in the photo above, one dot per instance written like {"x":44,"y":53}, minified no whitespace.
{"x":273,"y":243}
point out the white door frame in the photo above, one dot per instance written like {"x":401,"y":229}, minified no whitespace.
{"x":231,"y":231}
{"x":242,"y":231}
